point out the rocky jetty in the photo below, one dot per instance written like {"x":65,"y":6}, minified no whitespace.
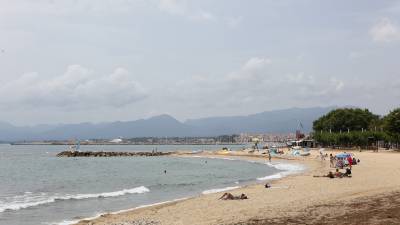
{"x":109,"y":154}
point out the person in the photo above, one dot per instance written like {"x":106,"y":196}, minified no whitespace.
{"x":338,"y":173}
{"x":267,"y":185}
{"x":354,"y":161}
{"x":330,"y":175}
{"x":165,"y":171}
{"x":340,"y":163}
{"x":350,"y":161}
{"x":331,"y":160}
{"x":229,"y":196}
{"x":321,"y":154}
{"x":348,"y":172}
{"x":269,"y":155}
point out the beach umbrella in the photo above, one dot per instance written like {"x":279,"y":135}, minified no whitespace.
{"x":343,"y":155}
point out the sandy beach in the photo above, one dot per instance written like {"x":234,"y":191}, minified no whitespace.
{"x":371,"y":196}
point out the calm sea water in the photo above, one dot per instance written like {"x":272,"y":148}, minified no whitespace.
{"x":36,"y":187}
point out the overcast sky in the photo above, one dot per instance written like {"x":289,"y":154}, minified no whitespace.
{"x":67,"y":61}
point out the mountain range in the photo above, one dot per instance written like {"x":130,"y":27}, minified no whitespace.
{"x":277,"y":121}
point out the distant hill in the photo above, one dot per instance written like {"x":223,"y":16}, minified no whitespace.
{"x":282,"y":121}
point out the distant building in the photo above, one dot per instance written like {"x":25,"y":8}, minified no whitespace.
{"x":116,"y":141}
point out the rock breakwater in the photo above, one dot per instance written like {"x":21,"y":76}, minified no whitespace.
{"x":109,"y":154}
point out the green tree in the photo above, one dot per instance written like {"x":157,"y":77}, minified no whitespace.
{"x":391,"y":124}
{"x":344,"y":119}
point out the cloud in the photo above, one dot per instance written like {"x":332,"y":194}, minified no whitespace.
{"x":182,"y":8}
{"x":355,"y":55}
{"x":234,"y":22}
{"x":251,"y":70}
{"x":257,"y":83}
{"x":56,"y":7}
{"x":385,"y":31}
{"x":176,"y":7}
{"x":77,"y":88}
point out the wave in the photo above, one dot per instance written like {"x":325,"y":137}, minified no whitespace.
{"x":287,"y":168}
{"x":211,"y":191}
{"x":271,"y":177}
{"x":30,"y":200}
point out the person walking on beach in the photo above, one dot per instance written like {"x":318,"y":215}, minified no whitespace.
{"x":331,"y":160}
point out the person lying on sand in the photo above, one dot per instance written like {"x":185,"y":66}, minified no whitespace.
{"x":330,"y":175}
{"x":229,"y":196}
{"x":338,"y":174}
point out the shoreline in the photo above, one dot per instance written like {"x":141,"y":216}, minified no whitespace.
{"x":376,"y":175}
{"x":300,"y":168}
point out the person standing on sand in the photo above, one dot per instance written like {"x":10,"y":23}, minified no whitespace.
{"x":269,"y":155}
{"x":331,"y":160}
{"x":350,"y":161}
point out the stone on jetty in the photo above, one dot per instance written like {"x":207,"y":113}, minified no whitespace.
{"x":109,"y":154}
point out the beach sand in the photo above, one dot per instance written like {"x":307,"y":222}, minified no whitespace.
{"x":371,"y":196}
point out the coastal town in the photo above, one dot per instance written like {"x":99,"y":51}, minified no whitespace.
{"x":241,"y":139}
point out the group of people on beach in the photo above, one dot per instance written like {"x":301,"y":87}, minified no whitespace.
{"x":341,"y":163}
{"x":337,"y":174}
{"x":336,"y":162}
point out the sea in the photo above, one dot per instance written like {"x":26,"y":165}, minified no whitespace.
{"x":36,"y":187}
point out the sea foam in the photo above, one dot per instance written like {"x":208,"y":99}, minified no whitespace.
{"x":287,"y":169}
{"x":30,"y":200}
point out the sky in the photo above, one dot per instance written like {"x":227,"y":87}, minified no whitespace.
{"x":70,"y":61}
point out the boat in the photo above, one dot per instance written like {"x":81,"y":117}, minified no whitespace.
{"x":76,"y":147}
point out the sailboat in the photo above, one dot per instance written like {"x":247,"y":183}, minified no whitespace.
{"x":76,"y":147}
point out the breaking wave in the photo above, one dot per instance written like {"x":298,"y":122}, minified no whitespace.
{"x":30,"y":200}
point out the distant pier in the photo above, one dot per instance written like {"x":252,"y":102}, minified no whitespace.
{"x":110,"y":154}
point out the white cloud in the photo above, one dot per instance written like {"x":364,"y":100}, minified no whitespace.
{"x":77,"y":88}
{"x":176,"y":7}
{"x":385,"y":31}
{"x":182,"y":8}
{"x":234,"y":22}
{"x":256,"y":63}
{"x":337,"y":84}
{"x":251,"y":70}
{"x":255,"y":83}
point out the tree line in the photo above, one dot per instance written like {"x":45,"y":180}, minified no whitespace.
{"x":355,"y":127}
